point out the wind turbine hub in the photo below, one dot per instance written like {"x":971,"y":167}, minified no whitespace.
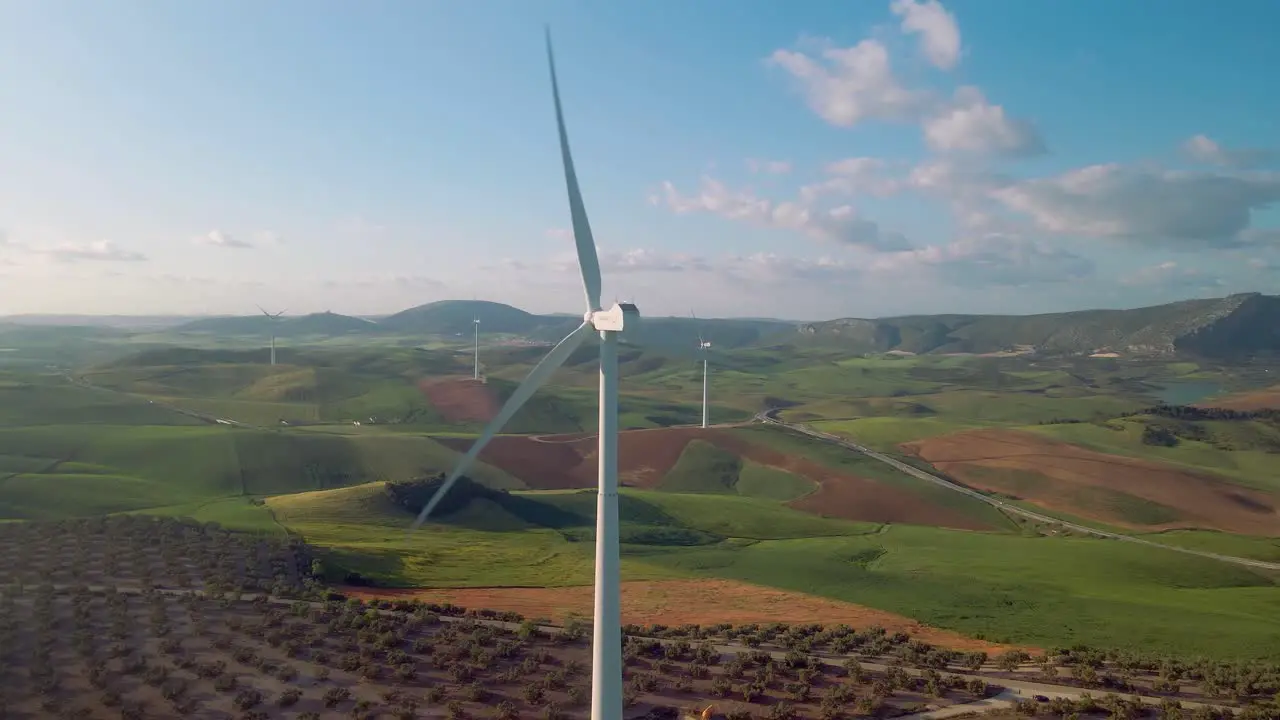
{"x":620,"y":317}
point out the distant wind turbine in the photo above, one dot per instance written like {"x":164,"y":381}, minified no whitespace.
{"x":704,"y":347}
{"x":272,"y":319}
{"x":606,"y":645}
{"x":475,"y":375}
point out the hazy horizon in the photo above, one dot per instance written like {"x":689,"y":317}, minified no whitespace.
{"x":199,"y":316}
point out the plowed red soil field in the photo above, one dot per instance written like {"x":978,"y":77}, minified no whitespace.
{"x":552,"y":462}
{"x":1268,"y":399}
{"x":1074,"y":480}
{"x":461,"y":399}
{"x":677,"y":602}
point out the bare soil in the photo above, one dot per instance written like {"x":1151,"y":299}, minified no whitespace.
{"x":1267,"y":399}
{"x":685,"y":602}
{"x":1059,"y":476}
{"x":461,"y":399}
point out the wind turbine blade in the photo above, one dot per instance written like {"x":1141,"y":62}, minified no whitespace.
{"x":536,"y":379}
{"x":588,"y":261}
{"x":264,"y":312}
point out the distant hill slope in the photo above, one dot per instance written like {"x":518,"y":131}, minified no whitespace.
{"x":1234,"y":326}
{"x":451,"y":317}
{"x":1231,"y":327}
{"x":448,"y":317}
{"x":325,"y":323}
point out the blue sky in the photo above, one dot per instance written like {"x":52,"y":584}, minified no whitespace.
{"x":804,"y":160}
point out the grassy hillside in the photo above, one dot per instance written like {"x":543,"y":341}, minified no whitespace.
{"x":705,"y":468}
{"x":76,"y":470}
{"x":1235,"y":326}
{"x":1046,"y":591}
{"x":1249,"y":467}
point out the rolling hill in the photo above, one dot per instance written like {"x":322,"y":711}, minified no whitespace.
{"x":1235,"y":326}
{"x":1229,"y":328}
{"x":314,"y":324}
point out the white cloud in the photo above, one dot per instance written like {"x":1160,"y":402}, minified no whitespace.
{"x":937,"y":28}
{"x":218,"y":238}
{"x":769,"y":167}
{"x":383,"y":281}
{"x":1205,"y":150}
{"x":847,"y":85}
{"x":840,"y":224}
{"x":268,"y":237}
{"x":971,"y":124}
{"x":360,"y":226}
{"x":97,"y":251}
{"x":987,"y":260}
{"x":641,"y":260}
{"x":1263,"y":265}
{"x":1151,"y":205}
{"x":1171,"y":276}
{"x":852,"y":176}
{"x":851,"y":84}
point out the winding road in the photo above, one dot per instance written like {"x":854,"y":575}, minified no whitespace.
{"x":770,"y":417}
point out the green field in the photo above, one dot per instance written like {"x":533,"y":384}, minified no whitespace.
{"x":1249,"y":468}
{"x":121,"y":444}
{"x":1004,"y":587}
{"x":76,"y":470}
{"x":705,"y":468}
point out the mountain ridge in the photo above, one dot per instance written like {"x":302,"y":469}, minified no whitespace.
{"x":1234,"y":326}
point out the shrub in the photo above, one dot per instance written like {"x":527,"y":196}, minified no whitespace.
{"x":534,"y":693}
{"x":335,"y":695}
{"x":247,"y":698}
{"x":224,"y":683}
{"x":782,"y":710}
{"x":289,"y":697}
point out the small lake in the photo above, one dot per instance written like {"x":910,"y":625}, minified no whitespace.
{"x":1186,"y":393}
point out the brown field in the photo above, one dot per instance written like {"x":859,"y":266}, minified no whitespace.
{"x":1071,"y":479}
{"x":553,"y":462}
{"x":461,"y":399}
{"x":644,"y":456}
{"x":1267,"y":399}
{"x":681,"y":602}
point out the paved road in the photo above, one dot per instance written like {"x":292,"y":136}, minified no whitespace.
{"x":770,"y":417}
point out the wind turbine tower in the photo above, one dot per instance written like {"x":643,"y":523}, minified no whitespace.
{"x":272,"y":319}
{"x":606,"y":644}
{"x":475,"y":375}
{"x":704,"y":346}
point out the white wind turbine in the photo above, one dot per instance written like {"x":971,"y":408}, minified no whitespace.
{"x":704,"y":347}
{"x":475,"y":374}
{"x":272,"y":322}
{"x":606,"y":681}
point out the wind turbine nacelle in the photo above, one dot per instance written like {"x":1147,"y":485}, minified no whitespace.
{"x":620,"y":317}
